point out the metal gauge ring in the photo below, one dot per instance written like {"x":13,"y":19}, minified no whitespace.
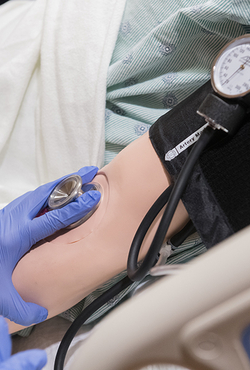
{"x":231,"y":69}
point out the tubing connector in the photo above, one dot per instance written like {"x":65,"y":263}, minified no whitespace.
{"x":222,"y":114}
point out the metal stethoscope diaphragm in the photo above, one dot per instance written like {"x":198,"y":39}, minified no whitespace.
{"x":67,"y":191}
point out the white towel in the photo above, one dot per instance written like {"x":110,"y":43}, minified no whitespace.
{"x":54,"y":56}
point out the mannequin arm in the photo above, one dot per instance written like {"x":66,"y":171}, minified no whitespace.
{"x":68,"y":266}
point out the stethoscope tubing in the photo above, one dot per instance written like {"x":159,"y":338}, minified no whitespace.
{"x":137,"y":272}
{"x":83,"y":317}
{"x":171,"y":196}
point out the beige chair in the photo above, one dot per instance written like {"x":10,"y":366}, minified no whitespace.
{"x":194,"y":319}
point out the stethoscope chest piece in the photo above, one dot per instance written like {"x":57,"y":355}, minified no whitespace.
{"x":67,"y":191}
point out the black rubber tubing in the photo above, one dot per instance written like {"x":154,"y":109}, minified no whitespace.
{"x":84,"y":315}
{"x":137,"y":272}
{"x":172,"y":196}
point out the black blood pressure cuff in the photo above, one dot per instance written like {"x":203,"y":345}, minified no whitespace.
{"x":217,"y":197}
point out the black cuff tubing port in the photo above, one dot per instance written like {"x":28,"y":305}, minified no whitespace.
{"x":222,"y":114}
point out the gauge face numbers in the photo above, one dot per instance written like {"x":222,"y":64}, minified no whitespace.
{"x":231,"y":70}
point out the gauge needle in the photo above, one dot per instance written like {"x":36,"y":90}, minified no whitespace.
{"x":237,"y":71}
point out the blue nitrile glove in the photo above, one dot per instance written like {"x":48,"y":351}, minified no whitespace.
{"x":34,"y":359}
{"x":19,"y":230}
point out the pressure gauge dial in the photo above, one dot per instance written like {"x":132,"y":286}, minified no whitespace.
{"x":231,"y":69}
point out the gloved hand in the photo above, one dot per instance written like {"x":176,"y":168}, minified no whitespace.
{"x":19,"y":230}
{"x":29,"y":360}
